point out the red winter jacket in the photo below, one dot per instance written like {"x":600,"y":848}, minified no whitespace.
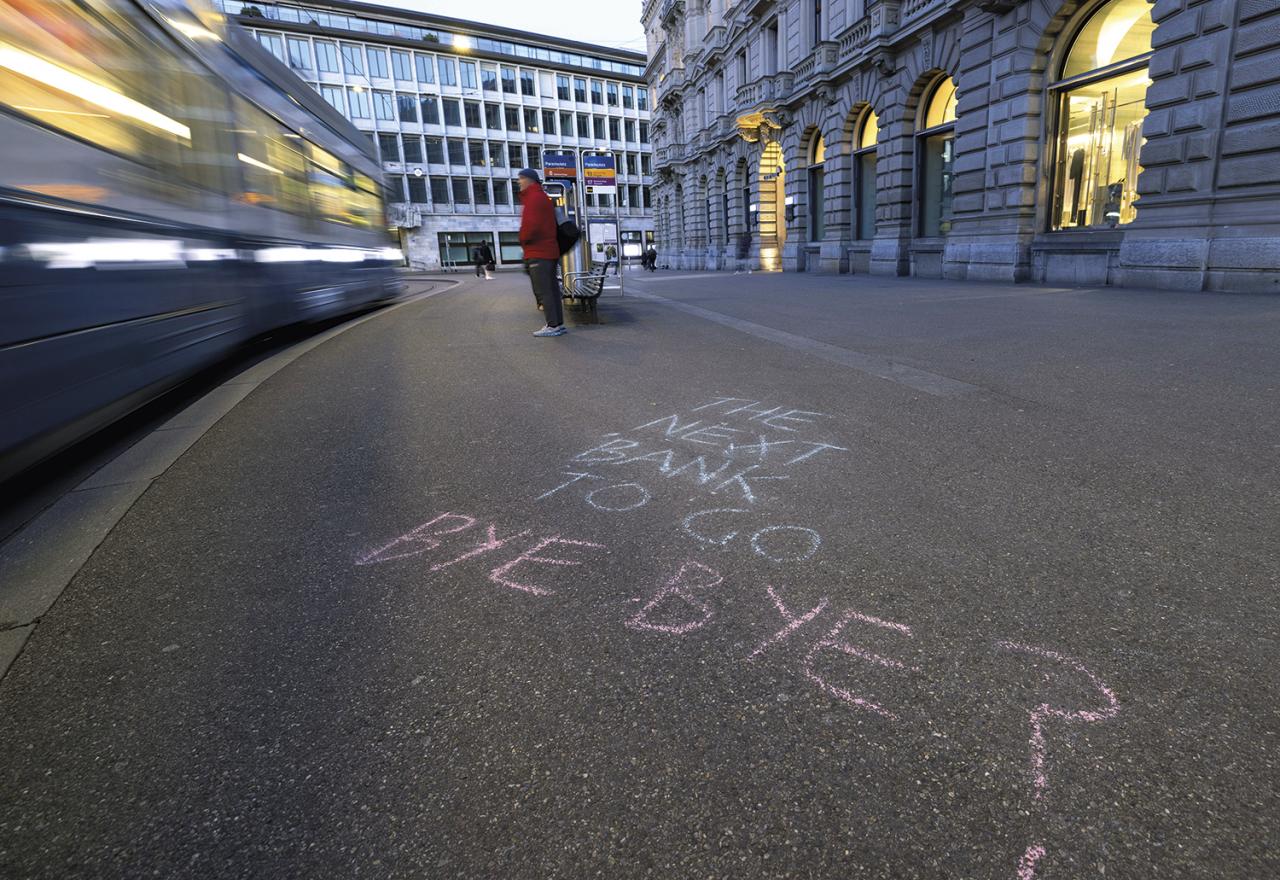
{"x":538,"y":225}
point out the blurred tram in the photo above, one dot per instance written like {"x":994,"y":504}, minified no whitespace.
{"x":168,"y":191}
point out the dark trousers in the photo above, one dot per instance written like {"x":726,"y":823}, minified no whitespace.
{"x":546,"y":289}
{"x":479,"y":268}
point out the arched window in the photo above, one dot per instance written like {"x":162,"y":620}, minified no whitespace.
{"x":864,"y":169}
{"x":935,"y":147}
{"x":817,"y":216}
{"x":1101,"y":100}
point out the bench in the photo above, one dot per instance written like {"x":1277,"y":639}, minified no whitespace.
{"x":583,"y":288}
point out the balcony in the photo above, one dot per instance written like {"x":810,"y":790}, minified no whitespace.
{"x":714,"y":42}
{"x":669,"y":154}
{"x":853,"y":38}
{"x":657,"y":64}
{"x":671,"y":10}
{"x":916,"y":9}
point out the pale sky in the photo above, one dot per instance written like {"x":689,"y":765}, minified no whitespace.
{"x":607,"y":22}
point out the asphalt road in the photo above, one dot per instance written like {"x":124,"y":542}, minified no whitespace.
{"x":764,"y":576}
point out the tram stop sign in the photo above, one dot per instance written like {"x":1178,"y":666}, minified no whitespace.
{"x":599,"y":175}
{"x":560,"y":166}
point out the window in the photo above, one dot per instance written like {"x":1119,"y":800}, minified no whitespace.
{"x":480,"y":187}
{"x":584,"y":125}
{"x":580,"y":90}
{"x":630,"y":164}
{"x":935,"y":147}
{"x":864,"y":171}
{"x":440,"y":190}
{"x":430,"y":110}
{"x":272,"y":44}
{"x":535,"y":155}
{"x":648,"y":202}
{"x":457,"y":151}
{"x":816,"y":29}
{"x":493,"y":117}
{"x":630,"y":127}
{"x":508,"y":81}
{"x":509,"y":245}
{"x":407,"y":108}
{"x":548,"y":122}
{"x":475,"y":153}
{"x":646,"y":164}
{"x":513,"y":118}
{"x":359,"y":103}
{"x":402,"y":67}
{"x":455,"y":247}
{"x":562,"y":87}
{"x":426,"y":69}
{"x":468,"y":71}
{"x":1101,"y":98}
{"x":612,"y":94}
{"x":489,"y":77}
{"x":633,"y":196}
{"x":471,"y":113}
{"x":515,"y":156}
{"x":771,"y":46}
{"x":393,"y":188}
{"x":412,"y":149}
{"x":742,"y":68}
{"x":435,"y":151}
{"x":566,"y":124}
{"x":389,"y":147}
{"x":628,"y":97}
{"x":615,"y":129}
{"x":377,"y":63}
{"x":299,"y":54}
{"x":351,"y":60}
{"x":448,"y":73}
{"x":817,"y":207}
{"x":598,"y":126}
{"x":384,"y":106}
{"x":326,"y":57}
{"x":461,"y":191}
{"x":597,"y":92}
{"x":497,"y":154}
{"x":527,"y":85}
{"x":530,"y":119}
{"x":417,"y":190}
{"x":644,"y":132}
{"x":642,"y":99}
{"x":502,"y":195}
{"x":452,"y":112}
{"x":333,"y":94}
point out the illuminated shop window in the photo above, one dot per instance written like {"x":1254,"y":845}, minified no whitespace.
{"x":936,"y":152}
{"x":1101,"y":101}
{"x":864,"y":165}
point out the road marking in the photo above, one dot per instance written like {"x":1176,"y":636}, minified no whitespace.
{"x":872,"y":364}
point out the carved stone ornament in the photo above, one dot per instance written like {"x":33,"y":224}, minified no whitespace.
{"x":884,"y":62}
{"x":997,"y":7}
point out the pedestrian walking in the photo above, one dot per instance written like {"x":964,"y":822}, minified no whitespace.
{"x":478,"y":260}
{"x":651,"y":259}
{"x":486,"y":254}
{"x":541,"y":250}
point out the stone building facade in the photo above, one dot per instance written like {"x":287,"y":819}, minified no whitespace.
{"x":1067,"y":141}
{"x":456,"y":108}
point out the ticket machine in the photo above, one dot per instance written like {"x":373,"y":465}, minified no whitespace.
{"x":564,"y":199}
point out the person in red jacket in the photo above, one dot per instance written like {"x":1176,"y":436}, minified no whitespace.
{"x":541,"y":250}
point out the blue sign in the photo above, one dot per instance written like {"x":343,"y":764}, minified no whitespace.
{"x":560,"y":165}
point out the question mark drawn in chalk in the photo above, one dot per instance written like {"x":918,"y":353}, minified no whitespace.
{"x":1042,"y":713}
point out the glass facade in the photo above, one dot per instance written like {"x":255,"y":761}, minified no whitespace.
{"x":453,"y":130}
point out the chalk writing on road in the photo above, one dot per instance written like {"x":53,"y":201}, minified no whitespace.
{"x":691,"y":600}
{"x":739,"y":454}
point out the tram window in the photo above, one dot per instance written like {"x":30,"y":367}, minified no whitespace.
{"x":92,"y":72}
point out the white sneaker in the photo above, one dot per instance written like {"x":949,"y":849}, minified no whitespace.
{"x":551,"y":331}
